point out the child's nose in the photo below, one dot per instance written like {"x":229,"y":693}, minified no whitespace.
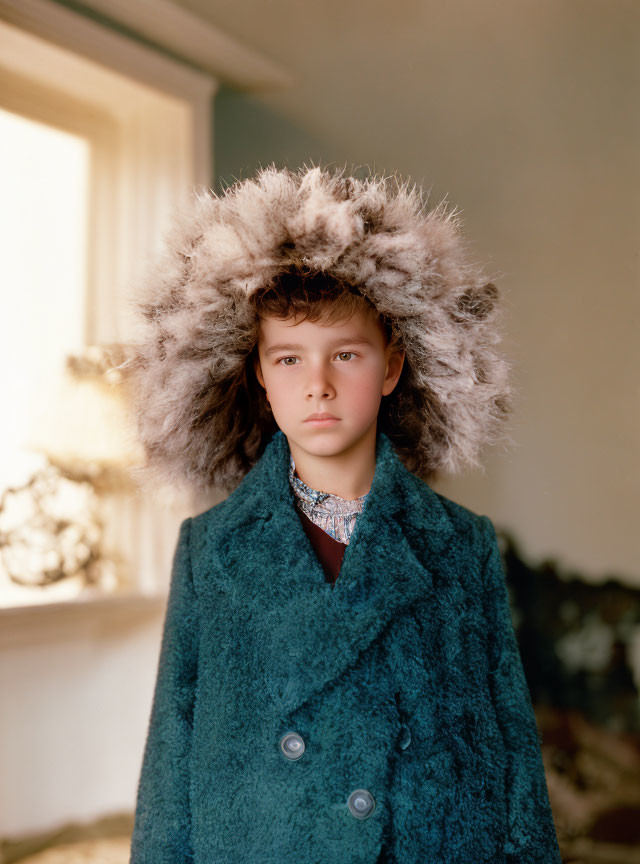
{"x":319,"y":383}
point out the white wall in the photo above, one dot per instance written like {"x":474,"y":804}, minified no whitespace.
{"x":73,"y":719}
{"x":77,"y":681}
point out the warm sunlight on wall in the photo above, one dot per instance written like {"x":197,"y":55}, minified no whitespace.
{"x":43,"y":244}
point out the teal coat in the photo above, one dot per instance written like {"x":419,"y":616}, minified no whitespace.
{"x":404,"y":680}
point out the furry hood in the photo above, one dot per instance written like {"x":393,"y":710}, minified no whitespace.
{"x":374,"y":233}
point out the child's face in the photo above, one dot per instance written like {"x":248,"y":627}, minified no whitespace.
{"x":341,"y":369}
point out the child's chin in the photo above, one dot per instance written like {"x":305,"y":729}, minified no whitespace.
{"x":322,"y":443}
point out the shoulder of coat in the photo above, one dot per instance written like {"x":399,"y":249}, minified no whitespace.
{"x":238,"y":508}
{"x":466,"y":522}
{"x":208,"y":522}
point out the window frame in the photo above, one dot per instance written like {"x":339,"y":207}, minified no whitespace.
{"x":148,"y":119}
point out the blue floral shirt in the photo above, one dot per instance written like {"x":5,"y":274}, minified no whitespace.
{"x":335,"y":515}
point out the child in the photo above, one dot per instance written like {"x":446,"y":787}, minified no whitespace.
{"x":339,"y":679}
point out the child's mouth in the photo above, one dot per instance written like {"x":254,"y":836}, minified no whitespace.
{"x":322,"y":421}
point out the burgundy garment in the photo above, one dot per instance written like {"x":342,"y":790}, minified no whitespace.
{"x":328,"y":550}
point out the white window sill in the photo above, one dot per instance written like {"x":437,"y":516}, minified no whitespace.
{"x":85,"y":616}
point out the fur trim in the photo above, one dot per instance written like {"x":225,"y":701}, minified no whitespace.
{"x":375,"y":233}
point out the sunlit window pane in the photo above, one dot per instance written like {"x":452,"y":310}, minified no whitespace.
{"x":43,"y":253}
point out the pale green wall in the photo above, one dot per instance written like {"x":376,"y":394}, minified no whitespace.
{"x":247,"y":135}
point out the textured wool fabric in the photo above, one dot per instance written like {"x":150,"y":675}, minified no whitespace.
{"x":403,"y":679}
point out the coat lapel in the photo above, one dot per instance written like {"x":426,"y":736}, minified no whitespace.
{"x":303,"y":633}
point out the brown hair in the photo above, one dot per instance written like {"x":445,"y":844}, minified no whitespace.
{"x":315,"y":296}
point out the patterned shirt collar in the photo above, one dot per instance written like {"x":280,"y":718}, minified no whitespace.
{"x":335,"y":515}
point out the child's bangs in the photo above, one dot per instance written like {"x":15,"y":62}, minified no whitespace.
{"x":313,"y":296}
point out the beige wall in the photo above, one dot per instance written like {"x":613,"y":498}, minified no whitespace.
{"x":551,"y":194}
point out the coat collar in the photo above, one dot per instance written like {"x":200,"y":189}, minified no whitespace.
{"x":304,"y":632}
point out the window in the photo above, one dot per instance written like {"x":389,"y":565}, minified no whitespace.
{"x":97,"y":153}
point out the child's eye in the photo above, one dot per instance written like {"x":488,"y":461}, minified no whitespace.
{"x":348,"y":354}
{"x":284,"y":359}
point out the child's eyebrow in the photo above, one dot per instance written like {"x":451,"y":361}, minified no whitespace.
{"x":348,"y":340}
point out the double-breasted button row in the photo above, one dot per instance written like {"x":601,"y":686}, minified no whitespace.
{"x":404,"y":738}
{"x":361,"y":802}
{"x":292,"y":745}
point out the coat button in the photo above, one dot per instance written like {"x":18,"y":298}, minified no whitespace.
{"x":361,"y":803}
{"x":404,"y":739}
{"x":292,"y":745}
